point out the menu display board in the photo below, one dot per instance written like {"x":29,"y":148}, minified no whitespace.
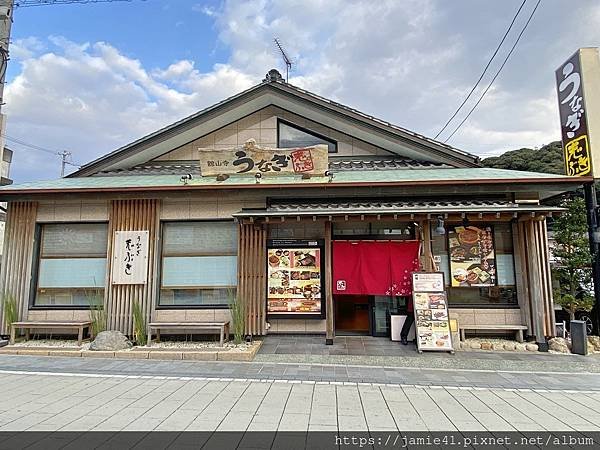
{"x":472,"y":256}
{"x":294,"y":279}
{"x":431,"y":312}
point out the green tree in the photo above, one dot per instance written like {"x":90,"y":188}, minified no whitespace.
{"x":572,"y":267}
{"x":548,"y":159}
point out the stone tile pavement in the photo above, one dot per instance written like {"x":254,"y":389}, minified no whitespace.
{"x":119,"y":403}
{"x":269,"y":371}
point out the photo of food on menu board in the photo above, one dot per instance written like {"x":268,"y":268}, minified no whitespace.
{"x":472,"y":256}
{"x":294,"y":281}
{"x":431,"y":313}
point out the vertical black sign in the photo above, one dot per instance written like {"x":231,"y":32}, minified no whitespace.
{"x":571,"y":104}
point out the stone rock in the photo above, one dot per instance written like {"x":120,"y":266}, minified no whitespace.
{"x":511,"y":346}
{"x":486,"y":346}
{"x":531,"y":347}
{"x":520,"y":347}
{"x":560,"y":345}
{"x":475,"y":345}
{"x":110,"y":341}
{"x":594,"y":343}
{"x":498,"y":346}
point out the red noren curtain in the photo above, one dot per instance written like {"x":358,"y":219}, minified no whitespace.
{"x":374,"y":268}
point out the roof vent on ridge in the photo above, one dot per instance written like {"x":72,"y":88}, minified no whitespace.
{"x":272,"y":76}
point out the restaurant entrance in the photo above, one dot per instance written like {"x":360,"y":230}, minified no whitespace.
{"x":371,"y":283}
{"x":367,"y":314}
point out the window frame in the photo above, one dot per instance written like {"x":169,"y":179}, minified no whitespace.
{"x":37,"y":260}
{"x":304,"y":130}
{"x":493,"y":225}
{"x":160,"y":254}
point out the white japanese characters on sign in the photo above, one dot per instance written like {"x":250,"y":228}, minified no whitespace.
{"x":579,"y":106}
{"x":130,"y":257}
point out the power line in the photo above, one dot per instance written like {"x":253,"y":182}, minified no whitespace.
{"x":497,"y":73}
{"x":32,"y":146}
{"x":484,"y":70}
{"x":66,"y":156}
{"x":29,"y":3}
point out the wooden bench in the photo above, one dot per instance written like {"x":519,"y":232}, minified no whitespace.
{"x":52,"y":325}
{"x":222,"y":328}
{"x":518,"y":329}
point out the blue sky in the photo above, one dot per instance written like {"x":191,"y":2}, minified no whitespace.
{"x":91,"y":78}
{"x":152,"y":30}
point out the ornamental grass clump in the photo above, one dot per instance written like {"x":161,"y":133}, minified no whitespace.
{"x":237,"y":308}
{"x":139,"y":324}
{"x":98,"y":314}
{"x":9,"y":305}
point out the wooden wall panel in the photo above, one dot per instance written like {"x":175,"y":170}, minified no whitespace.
{"x":252,"y":247}
{"x":132,"y":215}
{"x":521,"y":276}
{"x":17,"y":258}
{"x":537,"y":277}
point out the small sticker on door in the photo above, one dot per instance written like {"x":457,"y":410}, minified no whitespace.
{"x":341,"y":285}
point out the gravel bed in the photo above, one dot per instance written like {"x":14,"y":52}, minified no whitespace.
{"x":58,"y":343}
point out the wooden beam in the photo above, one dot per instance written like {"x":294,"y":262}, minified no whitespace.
{"x":328,"y":274}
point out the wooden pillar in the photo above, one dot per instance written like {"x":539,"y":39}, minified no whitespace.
{"x":427,"y":254}
{"x":17,"y":258}
{"x":132,"y":215}
{"x":328,"y":274}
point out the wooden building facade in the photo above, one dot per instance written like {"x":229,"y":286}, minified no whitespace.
{"x":209,"y":236}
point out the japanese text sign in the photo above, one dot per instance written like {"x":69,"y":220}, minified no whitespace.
{"x":130,"y":257}
{"x":574,"y":80}
{"x":251,"y":159}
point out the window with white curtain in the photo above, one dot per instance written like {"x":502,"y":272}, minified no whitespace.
{"x":199,"y":264}
{"x":72,"y":264}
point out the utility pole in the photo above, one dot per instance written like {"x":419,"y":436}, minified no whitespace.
{"x":64,"y":155}
{"x":6,"y":18}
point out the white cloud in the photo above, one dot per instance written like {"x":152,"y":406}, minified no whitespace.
{"x":409,"y":62}
{"x":91,"y":99}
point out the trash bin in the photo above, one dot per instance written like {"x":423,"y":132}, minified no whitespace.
{"x":578,"y":337}
{"x":396,"y":324}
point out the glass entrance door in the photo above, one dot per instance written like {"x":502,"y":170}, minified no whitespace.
{"x":382,"y":308}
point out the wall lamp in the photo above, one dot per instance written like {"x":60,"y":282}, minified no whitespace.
{"x":186,"y":178}
{"x":258,"y":176}
{"x":440,"y":229}
{"x":329,"y":174}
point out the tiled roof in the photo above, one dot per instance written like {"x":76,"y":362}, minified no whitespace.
{"x":379,"y":206}
{"x":289,"y":89}
{"x":336,"y":164}
{"x":349,"y":178}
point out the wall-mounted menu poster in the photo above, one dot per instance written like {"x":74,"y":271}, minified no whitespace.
{"x":431,"y":312}
{"x":294,"y":278}
{"x":472,"y":256}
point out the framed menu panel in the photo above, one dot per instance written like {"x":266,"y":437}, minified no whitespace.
{"x":431,"y":312}
{"x":295,"y":287}
{"x":472,"y":256}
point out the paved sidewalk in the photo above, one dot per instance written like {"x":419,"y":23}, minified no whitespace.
{"x":307,"y":372}
{"x":113,"y":403}
{"x":376,"y":351}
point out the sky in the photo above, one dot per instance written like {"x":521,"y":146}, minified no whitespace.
{"x":91,"y":78}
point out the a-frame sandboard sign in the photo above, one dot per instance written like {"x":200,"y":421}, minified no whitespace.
{"x":432,"y":323}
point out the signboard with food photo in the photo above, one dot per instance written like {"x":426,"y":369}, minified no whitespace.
{"x":294,"y":281}
{"x":431,"y":312}
{"x":472,"y":256}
